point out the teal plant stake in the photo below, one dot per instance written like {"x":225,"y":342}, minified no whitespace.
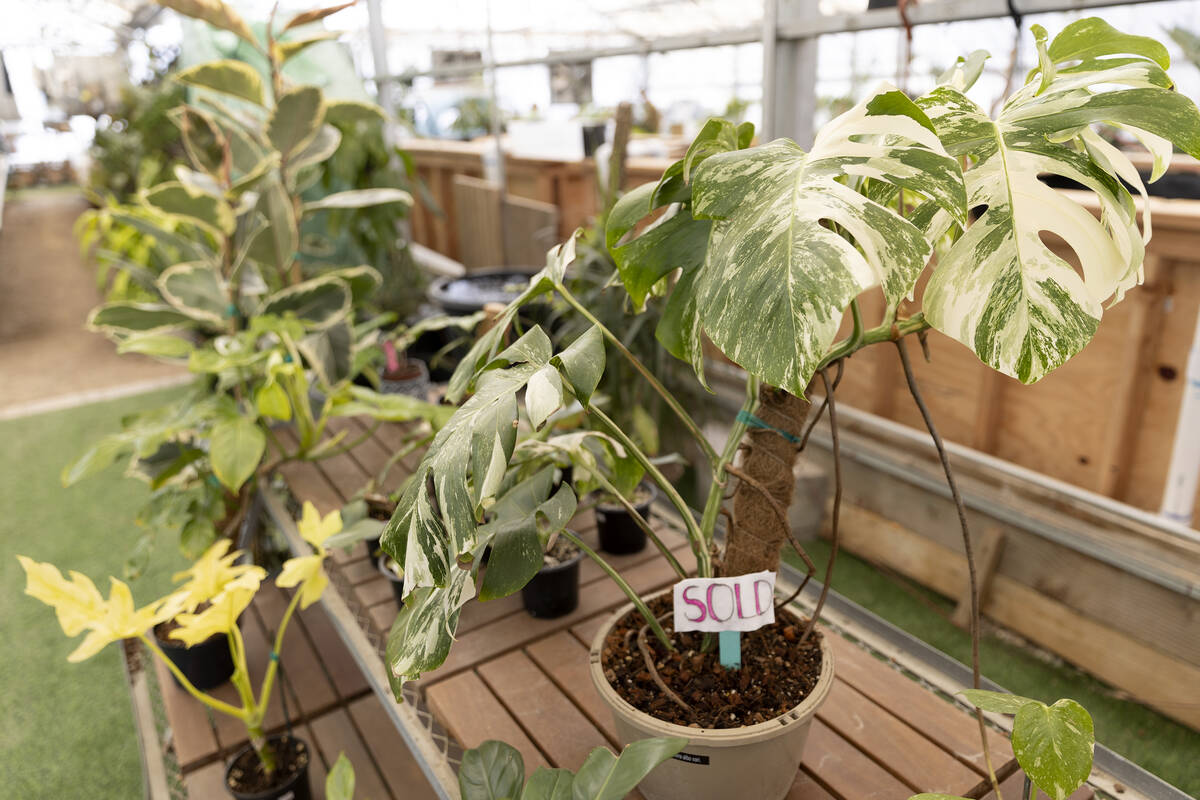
{"x":729,"y":646}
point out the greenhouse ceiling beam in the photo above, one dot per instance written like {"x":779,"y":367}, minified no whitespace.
{"x":660,"y":45}
{"x":792,"y":24}
{"x":795,"y":24}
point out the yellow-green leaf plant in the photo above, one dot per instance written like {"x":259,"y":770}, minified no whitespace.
{"x":268,"y":343}
{"x":215,"y":592}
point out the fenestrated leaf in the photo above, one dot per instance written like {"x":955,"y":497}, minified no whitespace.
{"x":360,"y":198}
{"x":320,"y":302}
{"x":1000,"y":290}
{"x":1054,"y":745}
{"x":228,"y":76}
{"x":235,"y":449}
{"x":215,"y":13}
{"x":197,"y":291}
{"x":297,"y":117}
{"x":604,"y":776}
{"x":306,"y":17}
{"x":776,"y":265}
{"x":492,"y":771}
{"x":136,"y":317}
{"x":582,"y":363}
{"x":178,"y":200}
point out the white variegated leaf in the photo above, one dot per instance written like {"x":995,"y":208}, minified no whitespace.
{"x":999,"y":289}
{"x":543,"y":395}
{"x":778,"y":263}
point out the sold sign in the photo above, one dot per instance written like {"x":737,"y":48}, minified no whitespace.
{"x":740,"y":603}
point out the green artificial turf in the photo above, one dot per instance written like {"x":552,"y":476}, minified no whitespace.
{"x":1145,"y":737}
{"x":68,"y":728}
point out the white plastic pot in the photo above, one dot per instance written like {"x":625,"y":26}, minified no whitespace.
{"x":757,"y":761}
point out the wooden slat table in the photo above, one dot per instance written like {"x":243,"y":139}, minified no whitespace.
{"x":525,"y":681}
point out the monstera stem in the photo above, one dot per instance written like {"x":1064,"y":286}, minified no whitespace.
{"x":696,"y":536}
{"x":642,"y":370}
{"x":712,"y":506}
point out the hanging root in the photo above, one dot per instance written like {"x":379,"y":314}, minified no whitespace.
{"x":653,"y":670}
{"x":967,"y":547}
{"x":837,"y":506}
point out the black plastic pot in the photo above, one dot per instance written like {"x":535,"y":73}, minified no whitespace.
{"x":295,"y":788}
{"x":397,"y":583}
{"x":374,"y":551}
{"x":207,"y":664}
{"x":554,"y":591}
{"x":470,"y":293}
{"x":619,"y":533}
{"x":415,"y":383}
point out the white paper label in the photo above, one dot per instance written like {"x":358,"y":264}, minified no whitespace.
{"x":741,"y":603}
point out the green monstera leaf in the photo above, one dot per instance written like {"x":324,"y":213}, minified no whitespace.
{"x":437,"y":531}
{"x":777,"y":261}
{"x":495,"y":770}
{"x":999,"y":289}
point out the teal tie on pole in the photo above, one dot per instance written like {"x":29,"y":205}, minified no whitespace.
{"x":729,"y":646}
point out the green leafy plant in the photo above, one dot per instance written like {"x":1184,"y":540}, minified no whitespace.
{"x":496,"y":770}
{"x":1054,"y":744}
{"x":270,"y":345}
{"x":764,"y":251}
{"x":215,"y":594}
{"x":140,"y":145}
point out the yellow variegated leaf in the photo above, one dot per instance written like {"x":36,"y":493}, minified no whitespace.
{"x":316,"y":529}
{"x":211,"y":573}
{"x":221,"y":615}
{"x":308,"y":573}
{"x":80,"y":607}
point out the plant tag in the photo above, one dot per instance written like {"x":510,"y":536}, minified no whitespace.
{"x":741,"y":603}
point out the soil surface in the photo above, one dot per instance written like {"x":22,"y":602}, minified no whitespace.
{"x":563,"y":551}
{"x":777,"y":672}
{"x":246,"y":773}
{"x":46,"y":292}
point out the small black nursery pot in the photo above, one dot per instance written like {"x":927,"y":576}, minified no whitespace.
{"x":206,"y":665}
{"x":554,"y":590}
{"x":390,"y":570}
{"x":619,"y":532}
{"x":244,"y":779}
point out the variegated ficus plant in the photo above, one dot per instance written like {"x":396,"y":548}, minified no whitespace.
{"x":269,"y":342}
{"x":215,"y":591}
{"x":763,"y":250}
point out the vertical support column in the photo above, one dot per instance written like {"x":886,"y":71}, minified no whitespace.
{"x":378,"y":37}
{"x":789,"y":74}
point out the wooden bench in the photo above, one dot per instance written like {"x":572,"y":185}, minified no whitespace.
{"x":525,"y":681}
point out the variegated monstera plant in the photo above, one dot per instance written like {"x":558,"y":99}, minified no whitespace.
{"x":763,"y":251}
{"x":269,"y":342}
